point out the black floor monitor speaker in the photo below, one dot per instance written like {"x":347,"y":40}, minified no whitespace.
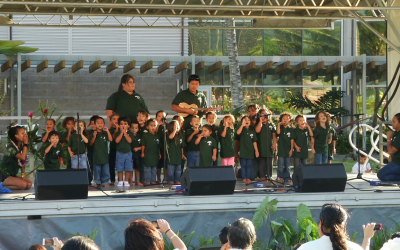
{"x":61,"y":184}
{"x":209,"y":180}
{"x":320,"y":178}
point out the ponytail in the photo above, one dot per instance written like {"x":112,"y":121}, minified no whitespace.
{"x":338,"y":237}
{"x":334,"y":217}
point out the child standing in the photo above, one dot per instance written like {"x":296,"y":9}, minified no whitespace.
{"x":99,"y":140}
{"x":211,"y":118}
{"x":112,"y":155}
{"x":208,"y":146}
{"x":65,"y":134}
{"x":322,"y":137}
{"x":160,"y":116}
{"x":301,"y":135}
{"x":53,"y":154}
{"x":91,"y":127}
{"x":193,"y":154}
{"x":50,"y":126}
{"x":123,"y":138}
{"x":285,"y":146}
{"x":143,"y":117}
{"x":78,"y":137}
{"x":248,"y":148}
{"x":136,"y":152}
{"x":182,"y":134}
{"x":175,"y":153}
{"x":226,"y":138}
{"x":150,"y":152}
{"x":266,"y":129}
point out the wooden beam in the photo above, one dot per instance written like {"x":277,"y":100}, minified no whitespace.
{"x":7,"y":65}
{"x":42,"y":66}
{"x":316,"y":67}
{"x":59,"y":66}
{"x":333,"y":67}
{"x":199,"y":66}
{"x":129,"y":66}
{"x":163,"y":67}
{"x":77,"y":66}
{"x":299,"y":67}
{"x":95,"y":66}
{"x":371,"y":65}
{"x":250,"y":66}
{"x":112,"y":66}
{"x":216,"y":66}
{"x":26,"y":65}
{"x":226,"y":70}
{"x":284,"y":66}
{"x":145,"y":67}
{"x":350,"y":67}
{"x":382,"y":68}
{"x":180,"y":67}
{"x":266,"y":67}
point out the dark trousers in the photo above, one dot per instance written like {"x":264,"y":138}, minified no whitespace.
{"x":112,"y":157}
{"x":90,"y":168}
{"x":265,"y":165}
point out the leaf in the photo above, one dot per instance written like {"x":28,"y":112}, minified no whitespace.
{"x":308,"y":229}
{"x":303,"y":212}
{"x":263,"y":210}
{"x":16,"y":50}
{"x":8,"y":44}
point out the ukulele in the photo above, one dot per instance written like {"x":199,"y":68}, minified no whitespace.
{"x":187,"y":106}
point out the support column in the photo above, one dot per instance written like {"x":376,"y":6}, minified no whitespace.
{"x":19,"y":95}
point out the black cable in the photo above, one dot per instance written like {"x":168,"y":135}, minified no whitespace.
{"x":366,"y":190}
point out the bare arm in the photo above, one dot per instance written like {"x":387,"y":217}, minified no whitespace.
{"x":214,"y":157}
{"x":256,"y":149}
{"x":22,"y":156}
{"x":47,"y":150}
{"x":128,"y":138}
{"x":198,"y":140}
{"x":45,"y":137}
{"x":193,"y":134}
{"x":275,"y":142}
{"x":119,"y":137}
{"x":240,"y":129}
{"x":84,"y":138}
{"x":291,"y":147}
{"x":312,"y":144}
{"x":143,"y":148}
{"x":278,"y":129}
{"x":310,"y":131}
{"x":172,"y":135}
{"x":110,"y":137}
{"x":259,"y":127}
{"x":109,"y":113}
{"x":391,"y":149}
{"x":69,"y":134}
{"x":223,"y":134}
{"x":93,"y":139}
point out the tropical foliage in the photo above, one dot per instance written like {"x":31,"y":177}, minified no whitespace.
{"x":10,"y":48}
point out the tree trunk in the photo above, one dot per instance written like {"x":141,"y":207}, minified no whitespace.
{"x":234,"y":70}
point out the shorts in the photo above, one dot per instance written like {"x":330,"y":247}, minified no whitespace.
{"x":137,"y":160}
{"x":124,"y":162}
{"x":3,"y":177}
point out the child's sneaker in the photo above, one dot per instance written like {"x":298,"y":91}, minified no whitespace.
{"x":120,"y":184}
{"x":126,"y":184}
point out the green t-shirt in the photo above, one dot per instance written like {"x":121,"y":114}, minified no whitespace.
{"x":284,"y":141}
{"x":301,"y":136}
{"x":100,"y":148}
{"x":227,"y":148}
{"x":334,"y":138}
{"x":252,"y":127}
{"x":174,"y":150}
{"x":113,"y":144}
{"x":264,"y":146}
{"x":186,"y":96}
{"x":90,"y":135}
{"x":63,"y":140}
{"x":247,"y":138}
{"x":321,"y":137}
{"x":396,"y":144}
{"x":207,"y":145}
{"x":10,"y":161}
{"x":126,"y":105}
{"x":151,"y":150}
{"x":215,"y":133}
{"x":74,"y":139}
{"x":143,"y":130}
{"x":136,"y":141}
{"x":52,"y":158}
{"x":191,"y":146}
{"x":123,"y":146}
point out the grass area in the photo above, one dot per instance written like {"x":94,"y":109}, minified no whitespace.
{"x":348,"y":163}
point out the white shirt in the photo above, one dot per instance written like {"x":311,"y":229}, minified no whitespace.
{"x":363,"y":168}
{"x":392,"y":244}
{"x":324,"y":243}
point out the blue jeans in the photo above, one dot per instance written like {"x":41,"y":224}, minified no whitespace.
{"x":101,"y":173}
{"x":124,"y":162}
{"x":390,"y":172}
{"x":298,"y":161}
{"x":82,"y":161}
{"x":245,"y":165}
{"x":90,"y":169}
{"x":150,"y":174}
{"x":112,"y":157}
{"x":321,"y":158}
{"x":283,"y":167}
{"x":193,"y":158}
{"x":174,"y":173}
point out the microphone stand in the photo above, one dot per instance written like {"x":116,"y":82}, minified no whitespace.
{"x":164,"y":120}
{"x":79,"y":132}
{"x":267,"y":175}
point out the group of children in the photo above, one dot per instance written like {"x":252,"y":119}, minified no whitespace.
{"x":138,"y":146}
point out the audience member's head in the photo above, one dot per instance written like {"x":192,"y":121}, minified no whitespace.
{"x":142,"y":235}
{"x":79,"y":243}
{"x":223,"y":235}
{"x":395,"y":235}
{"x":37,"y":247}
{"x":242,"y":234}
{"x":333,"y":224}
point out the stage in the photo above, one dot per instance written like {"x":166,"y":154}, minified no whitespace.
{"x":109,"y":210}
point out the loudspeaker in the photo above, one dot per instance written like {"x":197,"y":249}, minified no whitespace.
{"x":209,"y":180}
{"x":320,"y":178}
{"x":61,"y":184}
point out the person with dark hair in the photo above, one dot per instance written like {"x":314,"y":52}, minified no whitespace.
{"x":242,"y":234}
{"x":50,"y":126}
{"x":223,"y":235}
{"x":141,"y":234}
{"x":126,"y":101}
{"x":37,"y":247}
{"x":150,"y":152}
{"x":208,"y":146}
{"x":391,"y":172}
{"x":75,"y":243}
{"x":395,"y":235}
{"x":332,"y":230}
{"x":123,"y":138}
{"x":92,"y":125}
{"x":14,"y":159}
{"x":65,"y":134}
{"x":191,"y":96}
{"x":54,"y":153}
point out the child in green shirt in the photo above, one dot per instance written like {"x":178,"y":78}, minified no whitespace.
{"x":91,"y":127}
{"x":136,"y":152}
{"x":208,"y":146}
{"x":193,"y":154}
{"x":211,"y":118}
{"x":65,"y":134}
{"x":142,"y":117}
{"x":79,"y":137}
{"x":226,"y":137}
{"x":175,"y":153}
{"x":123,"y":138}
{"x":53,"y":154}
{"x":285,"y":146}
{"x":160,"y":116}
{"x":50,"y":126}
{"x":322,"y":137}
{"x":150,"y":152}
{"x":112,"y":155}
{"x":300,"y":137}
{"x":181,"y":122}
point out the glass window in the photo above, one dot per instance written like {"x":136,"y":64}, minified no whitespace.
{"x":322,"y":42}
{"x":321,"y":78}
{"x":282,"y":42}
{"x":221,"y":100}
{"x":368,"y":43}
{"x":205,"y":42}
{"x":249,"y":41}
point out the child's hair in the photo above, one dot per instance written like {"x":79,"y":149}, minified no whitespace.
{"x":98,"y":118}
{"x":125,"y":119}
{"x":170,"y":129}
{"x":12,"y":132}
{"x":317,"y":122}
{"x":209,"y":127}
{"x":364,"y":151}
{"x":221,"y":123}
{"x":175,"y":117}
{"x":285,"y":113}
{"x":93,"y":119}
{"x":211,"y":113}
{"x":223,"y":235}
{"x":53,"y":133}
{"x":299,"y":116}
{"x":51,"y":119}
{"x":143,"y":112}
{"x":253,"y":105}
{"x":114,"y":114}
{"x":266,"y":111}
{"x":395,"y":235}
{"x":125,"y":79}
{"x":195,"y":116}
{"x":160,"y":111}
{"x":66,"y":120}
{"x":134,"y":122}
{"x":150,"y":121}
{"x":243,"y":117}
{"x":37,"y":247}
{"x":397,"y":116}
{"x":84,"y":126}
